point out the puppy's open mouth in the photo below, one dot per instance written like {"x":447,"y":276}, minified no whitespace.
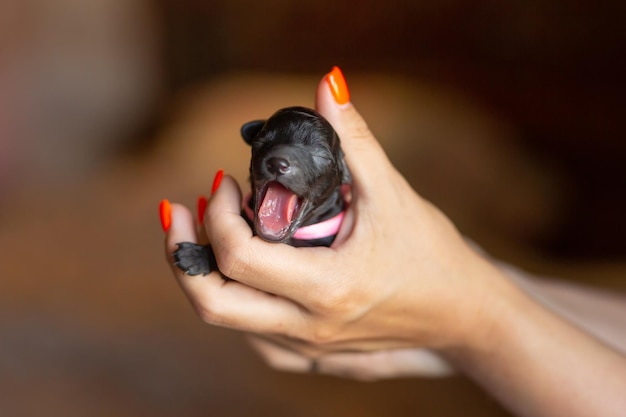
{"x":278,"y":209}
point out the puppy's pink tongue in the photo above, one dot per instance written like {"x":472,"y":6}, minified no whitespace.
{"x":277,"y":210}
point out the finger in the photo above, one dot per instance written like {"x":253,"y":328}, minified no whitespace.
{"x":366,"y":158}
{"x":274,"y":268}
{"x":279,"y":357}
{"x":366,"y":366}
{"x":370,"y":366}
{"x":237,"y":306}
{"x":182,"y":229}
{"x":228,"y":303}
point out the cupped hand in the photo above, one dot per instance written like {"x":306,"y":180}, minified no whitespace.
{"x":398,"y":278}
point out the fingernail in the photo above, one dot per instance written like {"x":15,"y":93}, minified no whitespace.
{"x":165,"y":212}
{"x":202,"y":202}
{"x":217,"y":181}
{"x":338,"y":86}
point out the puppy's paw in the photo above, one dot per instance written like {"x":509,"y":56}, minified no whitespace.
{"x":194,"y":259}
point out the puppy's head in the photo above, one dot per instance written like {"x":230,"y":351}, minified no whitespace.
{"x":296,"y":171}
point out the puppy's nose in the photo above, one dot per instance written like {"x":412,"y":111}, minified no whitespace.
{"x":277,"y":165}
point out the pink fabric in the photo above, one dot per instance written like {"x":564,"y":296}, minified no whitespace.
{"x":320,"y":230}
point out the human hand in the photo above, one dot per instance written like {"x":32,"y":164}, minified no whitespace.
{"x":363,"y":366}
{"x":398,"y":277}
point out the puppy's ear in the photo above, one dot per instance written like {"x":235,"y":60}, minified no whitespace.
{"x":251,"y":129}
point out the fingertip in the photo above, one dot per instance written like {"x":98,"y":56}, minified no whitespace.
{"x":201,"y":205}
{"x":223,"y":218}
{"x":338,"y":86}
{"x":278,"y":357}
{"x":165,"y":215}
{"x":227,"y":195}
{"x":364,"y":154}
{"x":325,"y":98}
{"x":333,"y":102}
{"x":217,"y":181}
{"x":182,"y":228}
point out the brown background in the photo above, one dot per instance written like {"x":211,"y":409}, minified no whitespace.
{"x":508,"y":116}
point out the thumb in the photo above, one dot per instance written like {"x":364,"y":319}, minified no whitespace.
{"x":365,"y":156}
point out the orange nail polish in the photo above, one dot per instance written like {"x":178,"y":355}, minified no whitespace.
{"x":165,"y":212}
{"x":202,"y":203}
{"x":338,"y":86}
{"x":217,"y":181}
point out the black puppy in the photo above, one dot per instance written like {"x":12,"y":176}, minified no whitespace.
{"x":297,"y":171}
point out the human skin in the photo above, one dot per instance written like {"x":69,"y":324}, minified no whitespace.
{"x":398,"y":279}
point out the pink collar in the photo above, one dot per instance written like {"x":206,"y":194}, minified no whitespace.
{"x":327,"y":228}
{"x":320,"y":230}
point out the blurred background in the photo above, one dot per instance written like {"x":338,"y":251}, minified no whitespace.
{"x":507,"y":115}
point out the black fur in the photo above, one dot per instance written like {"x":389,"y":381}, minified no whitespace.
{"x":298,"y":149}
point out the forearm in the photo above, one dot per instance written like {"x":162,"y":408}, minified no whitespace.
{"x":537,"y":364}
{"x":598,"y":312}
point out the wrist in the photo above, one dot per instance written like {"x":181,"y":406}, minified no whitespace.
{"x":537,"y":364}
{"x":498,"y":307}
